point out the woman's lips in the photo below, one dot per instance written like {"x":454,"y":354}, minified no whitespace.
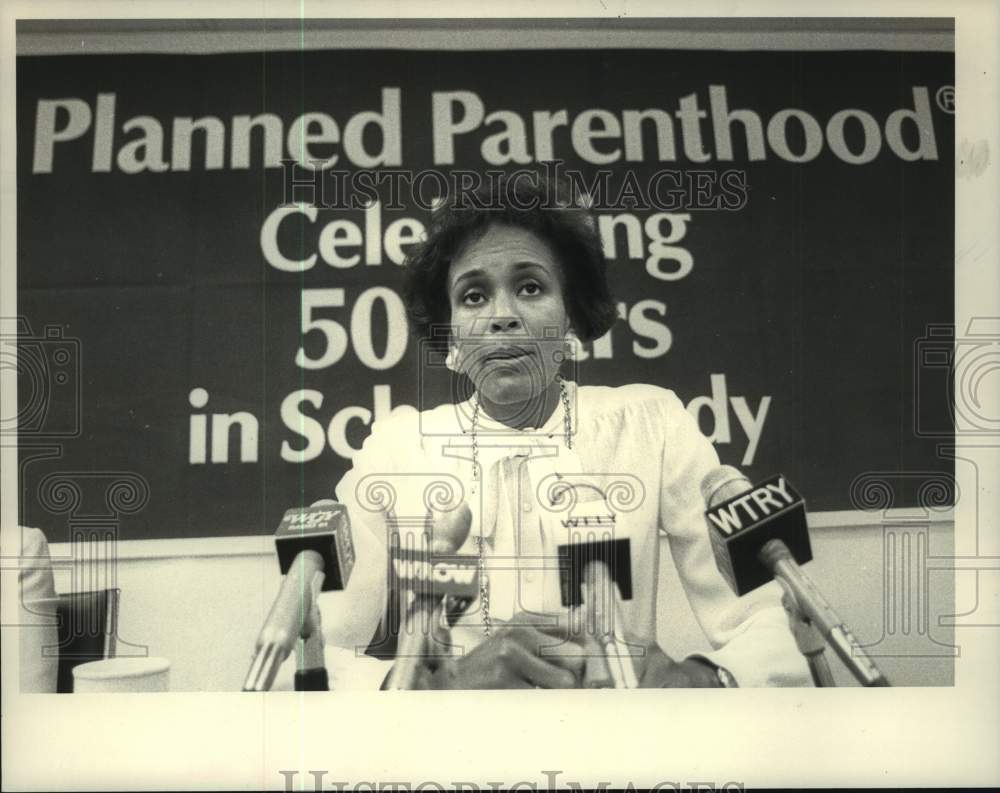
{"x":506,"y":354}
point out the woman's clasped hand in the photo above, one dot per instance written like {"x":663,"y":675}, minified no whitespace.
{"x":537,"y":651}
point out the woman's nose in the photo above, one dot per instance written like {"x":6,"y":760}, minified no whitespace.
{"x":501,"y":324}
{"x":505,"y":317}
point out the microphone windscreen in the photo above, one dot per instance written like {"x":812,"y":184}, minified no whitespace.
{"x":722,"y":484}
{"x":449,"y":529}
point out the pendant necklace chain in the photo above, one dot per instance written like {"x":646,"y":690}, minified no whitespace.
{"x":484,"y":581}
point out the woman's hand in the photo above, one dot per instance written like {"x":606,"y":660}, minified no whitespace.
{"x":653,"y":667}
{"x":656,"y":669}
{"x":523,"y":654}
{"x":527,"y":653}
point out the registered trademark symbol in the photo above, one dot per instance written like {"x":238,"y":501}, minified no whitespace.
{"x":945,"y":98}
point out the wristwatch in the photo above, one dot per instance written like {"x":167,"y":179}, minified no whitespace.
{"x":723,"y":675}
{"x":726,"y":679}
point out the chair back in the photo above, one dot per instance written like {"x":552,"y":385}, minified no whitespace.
{"x":88,"y":624}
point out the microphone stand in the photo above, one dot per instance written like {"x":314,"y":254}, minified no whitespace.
{"x":310,"y":663}
{"x":608,"y":624}
{"x":809,"y":640}
{"x":817,"y":611}
{"x":276,"y":641}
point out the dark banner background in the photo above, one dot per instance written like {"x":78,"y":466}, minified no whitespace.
{"x":816,"y":293}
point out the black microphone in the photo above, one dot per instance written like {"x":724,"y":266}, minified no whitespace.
{"x":596,"y":570}
{"x":430,"y":576}
{"x":759,"y":533}
{"x":316,"y":554}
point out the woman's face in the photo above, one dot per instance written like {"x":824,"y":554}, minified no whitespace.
{"x":506,"y":296}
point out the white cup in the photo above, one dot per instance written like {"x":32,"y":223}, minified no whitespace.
{"x":122,"y":675}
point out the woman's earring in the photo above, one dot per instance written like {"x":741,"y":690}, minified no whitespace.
{"x":571,"y":345}
{"x":449,"y":360}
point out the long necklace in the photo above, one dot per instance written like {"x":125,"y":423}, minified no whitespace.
{"x":484,"y":580}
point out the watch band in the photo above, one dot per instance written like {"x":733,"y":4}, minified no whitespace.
{"x":722,"y":675}
{"x":726,"y":678}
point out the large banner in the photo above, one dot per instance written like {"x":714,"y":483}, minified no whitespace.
{"x":210,"y":250}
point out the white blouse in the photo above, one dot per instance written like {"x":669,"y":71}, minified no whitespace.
{"x":635,"y":444}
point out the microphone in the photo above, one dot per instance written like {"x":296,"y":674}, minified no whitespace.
{"x":597,"y":572}
{"x":316,"y":554}
{"x":759,"y":533}
{"x":430,"y":577}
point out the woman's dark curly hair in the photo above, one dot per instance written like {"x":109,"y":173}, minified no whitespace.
{"x":529,"y":202}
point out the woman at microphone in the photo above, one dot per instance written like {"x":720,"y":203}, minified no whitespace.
{"x":504,"y":288}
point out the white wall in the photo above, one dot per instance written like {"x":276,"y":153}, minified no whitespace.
{"x":200,"y":603}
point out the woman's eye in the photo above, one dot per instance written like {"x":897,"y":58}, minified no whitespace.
{"x":473,"y":298}
{"x":531,"y":288}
